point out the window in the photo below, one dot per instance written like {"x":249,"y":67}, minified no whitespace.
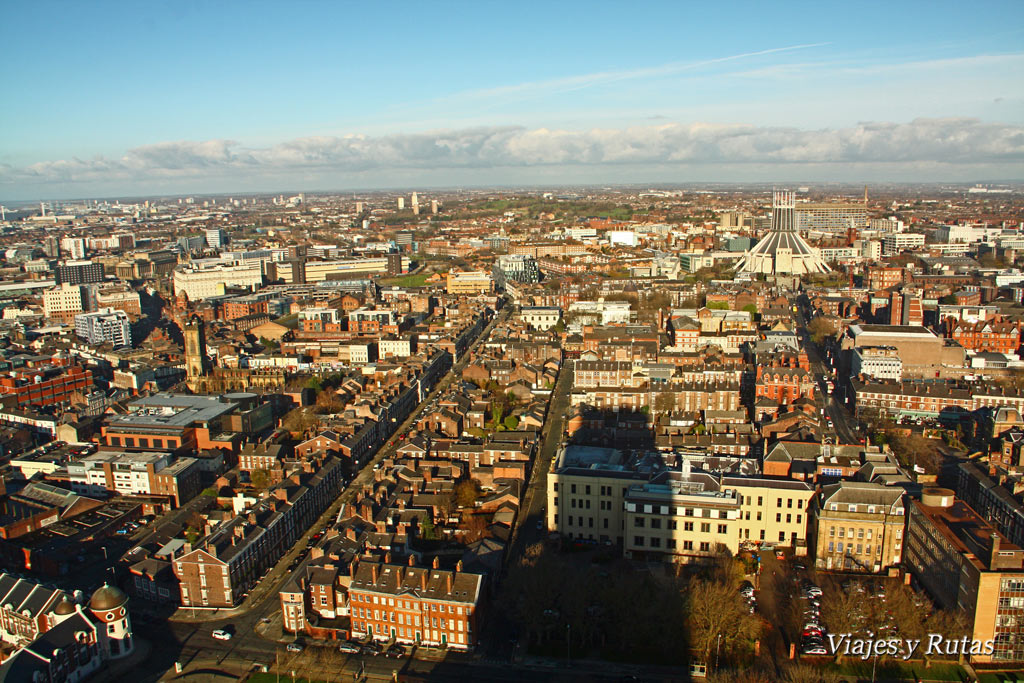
{"x":705,"y":546}
{"x":638,"y":522}
{"x":572,"y":489}
{"x":778,"y":502}
{"x":687,"y":526}
{"x":655,"y":542}
{"x":831,"y":546}
{"x":789,"y":519}
{"x":760,"y":500}
{"x":705,"y":527}
{"x":671,"y":544}
{"x":673,"y":524}
{"x":722,"y":529}
{"x":759,"y":515}
{"x":789,"y":503}
{"x":655,"y":523}
{"x":687,"y":545}
{"x":778,"y":516}
{"x":638,"y":540}
{"x":586,"y":489}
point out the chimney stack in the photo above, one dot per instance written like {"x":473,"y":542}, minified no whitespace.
{"x":436,"y":563}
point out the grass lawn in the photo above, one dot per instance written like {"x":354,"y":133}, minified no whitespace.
{"x":910,"y":671}
{"x":417,"y":280}
{"x":1001,"y":677}
{"x":282,"y":678}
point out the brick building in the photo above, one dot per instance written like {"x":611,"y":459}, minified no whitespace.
{"x":415,"y":605}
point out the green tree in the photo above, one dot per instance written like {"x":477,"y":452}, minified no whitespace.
{"x":427,"y":530}
{"x":315,"y":384}
{"x":466,"y":493}
{"x":820,"y":328}
{"x":511,"y":422}
{"x":260,"y":478}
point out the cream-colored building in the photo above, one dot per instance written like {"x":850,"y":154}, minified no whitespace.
{"x":318,"y":271}
{"x":398,"y":348}
{"x":65,"y":302}
{"x":859,"y":526}
{"x":540,"y":317}
{"x":606,"y":496}
{"x":773,"y":511}
{"x":469,"y":282}
{"x":203,"y":280}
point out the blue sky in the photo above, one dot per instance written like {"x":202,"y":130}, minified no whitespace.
{"x":169,"y":97}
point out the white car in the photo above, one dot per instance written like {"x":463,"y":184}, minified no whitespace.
{"x":221,"y":634}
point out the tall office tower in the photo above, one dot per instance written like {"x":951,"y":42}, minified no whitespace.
{"x":74,"y":246}
{"x":401,"y":203}
{"x":782,"y":250}
{"x":216,"y":238}
{"x":78,"y":273}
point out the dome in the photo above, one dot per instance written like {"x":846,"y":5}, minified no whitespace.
{"x":107,"y":597}
{"x":64,"y":608}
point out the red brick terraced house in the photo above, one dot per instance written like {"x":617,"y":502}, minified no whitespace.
{"x":415,"y":605}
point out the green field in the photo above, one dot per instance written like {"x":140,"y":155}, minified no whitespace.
{"x":417,"y":280}
{"x":900,"y":671}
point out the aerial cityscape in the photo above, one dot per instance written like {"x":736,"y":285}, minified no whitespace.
{"x":331,"y":355}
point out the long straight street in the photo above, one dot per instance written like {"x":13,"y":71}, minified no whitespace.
{"x":186,"y":636}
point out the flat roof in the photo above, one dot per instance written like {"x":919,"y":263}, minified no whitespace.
{"x":173,"y":410}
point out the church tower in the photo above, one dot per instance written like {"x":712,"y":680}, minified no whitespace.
{"x":195,"y":348}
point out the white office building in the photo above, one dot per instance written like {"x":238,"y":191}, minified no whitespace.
{"x":105,"y":325}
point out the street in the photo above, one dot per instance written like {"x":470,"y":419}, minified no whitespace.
{"x":185,"y":636}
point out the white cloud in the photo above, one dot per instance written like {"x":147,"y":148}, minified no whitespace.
{"x":950,"y":142}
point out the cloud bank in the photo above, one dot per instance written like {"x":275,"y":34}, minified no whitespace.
{"x":950,"y":142}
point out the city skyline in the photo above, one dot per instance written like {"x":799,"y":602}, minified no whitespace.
{"x":235,"y":98}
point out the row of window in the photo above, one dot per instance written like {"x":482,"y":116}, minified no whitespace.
{"x":129,"y":442}
{"x":670,"y":544}
{"x":408,"y":604}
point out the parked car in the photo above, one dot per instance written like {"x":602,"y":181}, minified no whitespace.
{"x":371,"y":649}
{"x":295,"y":647}
{"x":395,"y":650}
{"x":349,"y":647}
{"x":221,"y":634}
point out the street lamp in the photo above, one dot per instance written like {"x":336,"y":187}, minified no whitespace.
{"x":718,"y":650}
{"x":568,"y":644}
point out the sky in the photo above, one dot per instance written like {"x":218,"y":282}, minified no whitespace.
{"x":107,"y":99}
